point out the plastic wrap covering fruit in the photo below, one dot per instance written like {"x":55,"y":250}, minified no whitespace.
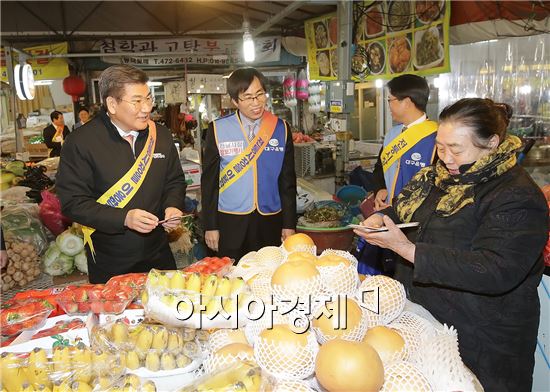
{"x":17,"y":316}
{"x":134,"y":281}
{"x":60,"y":327}
{"x":243,"y":376}
{"x":150,"y":349}
{"x":97,"y":298}
{"x":49,"y":295}
{"x":66,"y":368}
{"x":195,"y":300}
{"x":211,"y":265}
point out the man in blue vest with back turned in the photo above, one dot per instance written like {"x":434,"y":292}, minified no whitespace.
{"x":248,"y":184}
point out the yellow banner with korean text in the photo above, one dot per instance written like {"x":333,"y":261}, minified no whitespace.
{"x":43,"y":69}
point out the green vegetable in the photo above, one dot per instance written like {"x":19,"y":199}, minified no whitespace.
{"x":6,"y":177}
{"x":81,"y":262}
{"x":16,"y":167}
{"x":69,"y":243}
{"x":57,"y":263}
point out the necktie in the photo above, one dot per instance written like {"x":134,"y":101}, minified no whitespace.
{"x":250,"y":132}
{"x":129,"y":139}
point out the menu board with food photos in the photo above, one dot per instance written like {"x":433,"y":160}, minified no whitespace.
{"x":390,"y":38}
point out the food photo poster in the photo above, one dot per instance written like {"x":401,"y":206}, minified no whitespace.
{"x":390,"y":38}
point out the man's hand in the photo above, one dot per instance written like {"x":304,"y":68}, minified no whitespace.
{"x":380,"y":200}
{"x":3,"y":259}
{"x":212,"y":238}
{"x":172,"y":212}
{"x":285,"y":233}
{"x":140,"y":221}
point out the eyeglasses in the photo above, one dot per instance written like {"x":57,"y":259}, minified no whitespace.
{"x":250,"y":98}
{"x":138,"y":103}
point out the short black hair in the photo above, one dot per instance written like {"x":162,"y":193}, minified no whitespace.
{"x":241,"y":79}
{"x":485,"y":117}
{"x":411,"y":86}
{"x":55,"y":115}
{"x":83,"y":109}
{"x":114,"y":80}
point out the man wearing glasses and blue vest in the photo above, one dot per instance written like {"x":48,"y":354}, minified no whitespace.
{"x":248,"y":184}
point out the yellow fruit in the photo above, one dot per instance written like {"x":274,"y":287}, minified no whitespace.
{"x":61,"y":360}
{"x":182,"y":360}
{"x":349,"y":366}
{"x":152,"y":361}
{"x":194,"y":282}
{"x":79,"y":386}
{"x":294,"y":273}
{"x":242,"y":350}
{"x":283,"y":333}
{"x":160,"y":339}
{"x":132,"y":360}
{"x":144,"y":297}
{"x":237,"y":285}
{"x":163,"y":280}
{"x":302,"y":256}
{"x":224,"y":287}
{"x":177,"y":281}
{"x":149,"y":386}
{"x":145,"y":339}
{"x":119,"y":333}
{"x":335,"y":315}
{"x":82,"y":365}
{"x":167,"y":362}
{"x":331,"y":260}
{"x":297,"y":242}
{"x":209,"y":286}
{"x":13,"y":375}
{"x":38,"y":368}
{"x":386,"y":341}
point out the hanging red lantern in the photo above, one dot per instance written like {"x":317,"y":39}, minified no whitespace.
{"x":74,"y":86}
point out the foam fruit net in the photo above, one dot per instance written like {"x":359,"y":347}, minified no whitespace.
{"x":219,"y":339}
{"x":287,"y":360}
{"x":355,"y":334}
{"x":391,"y":298}
{"x":292,"y":386}
{"x":216,"y":362}
{"x":404,"y":377}
{"x":439,"y":360}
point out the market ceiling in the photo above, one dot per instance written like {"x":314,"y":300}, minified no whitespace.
{"x":49,"y":21}
{"x":24,"y":22}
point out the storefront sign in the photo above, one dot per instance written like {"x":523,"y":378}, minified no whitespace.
{"x":390,"y":38}
{"x":188,"y":51}
{"x":43,"y":69}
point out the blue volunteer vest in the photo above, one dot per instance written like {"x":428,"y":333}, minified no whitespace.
{"x":258,"y":188}
{"x":402,"y":170}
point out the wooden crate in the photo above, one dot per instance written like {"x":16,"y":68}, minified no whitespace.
{"x":38,"y":150}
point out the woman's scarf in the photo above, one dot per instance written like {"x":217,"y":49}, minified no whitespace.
{"x":459,"y":189}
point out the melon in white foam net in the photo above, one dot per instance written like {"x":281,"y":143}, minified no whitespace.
{"x":383,"y":296}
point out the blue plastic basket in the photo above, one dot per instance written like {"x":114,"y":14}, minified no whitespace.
{"x":351,"y":195}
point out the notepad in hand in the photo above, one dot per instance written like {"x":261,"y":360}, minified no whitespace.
{"x":383,"y":228}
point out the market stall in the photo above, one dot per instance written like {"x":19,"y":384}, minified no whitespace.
{"x":206,"y":327}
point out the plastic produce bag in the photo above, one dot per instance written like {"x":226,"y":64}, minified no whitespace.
{"x":16,"y":316}
{"x":243,"y":376}
{"x":67,"y":368}
{"x":150,"y":349}
{"x":50,"y":213}
{"x":289,"y":90}
{"x":302,"y":84}
{"x":21,"y":224}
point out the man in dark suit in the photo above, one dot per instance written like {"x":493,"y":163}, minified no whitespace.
{"x":55,"y":133}
{"x":248,"y":184}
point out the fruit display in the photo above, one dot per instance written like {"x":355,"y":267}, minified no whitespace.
{"x":68,"y":368}
{"x":12,"y":173}
{"x":16,"y":316}
{"x":180,"y":299}
{"x":321,"y":328}
{"x":96,"y":299}
{"x":211,"y":265}
{"x":150,"y":347}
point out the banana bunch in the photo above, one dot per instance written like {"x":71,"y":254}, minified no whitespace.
{"x":243,"y":377}
{"x":152,"y":346}
{"x":70,"y":369}
{"x":207,"y":285}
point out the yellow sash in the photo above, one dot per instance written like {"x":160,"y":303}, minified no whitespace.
{"x":124,"y":190}
{"x":405,"y":141}
{"x":246,"y":159}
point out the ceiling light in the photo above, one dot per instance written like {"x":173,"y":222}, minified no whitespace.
{"x":248,"y":44}
{"x":154,"y":84}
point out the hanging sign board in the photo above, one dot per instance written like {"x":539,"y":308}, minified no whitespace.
{"x":390,"y":38}
{"x":174,"y":92}
{"x":43,"y":69}
{"x":188,"y":51}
